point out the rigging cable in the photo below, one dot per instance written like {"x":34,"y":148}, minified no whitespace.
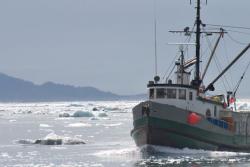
{"x":218,"y":66}
{"x":226,"y":53}
{"x":177,"y":57}
{"x":170,"y":73}
{"x":241,"y":78}
{"x":228,"y":26}
{"x":236,"y":41}
{"x":240,"y":32}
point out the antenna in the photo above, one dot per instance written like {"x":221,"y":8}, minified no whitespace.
{"x":190,"y":1}
{"x":155,"y":38}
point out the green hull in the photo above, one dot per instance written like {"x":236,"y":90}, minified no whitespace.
{"x":156,"y":131}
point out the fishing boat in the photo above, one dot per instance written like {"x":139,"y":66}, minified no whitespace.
{"x":180,"y":112}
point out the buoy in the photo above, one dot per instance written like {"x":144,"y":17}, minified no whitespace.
{"x":193,"y":118}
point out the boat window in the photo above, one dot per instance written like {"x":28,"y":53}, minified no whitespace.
{"x":151,"y":93}
{"x":190,"y":95}
{"x":208,"y":113}
{"x":171,"y":93}
{"x":182,"y":94}
{"x":160,"y":93}
{"x":215,"y":111}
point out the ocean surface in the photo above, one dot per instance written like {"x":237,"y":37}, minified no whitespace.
{"x":90,"y":134}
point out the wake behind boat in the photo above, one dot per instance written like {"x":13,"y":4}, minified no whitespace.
{"x":179,"y":113}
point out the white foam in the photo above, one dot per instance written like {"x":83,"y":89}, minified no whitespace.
{"x":187,"y":151}
{"x":133,"y":151}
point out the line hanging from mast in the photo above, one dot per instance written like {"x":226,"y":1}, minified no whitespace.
{"x":210,"y":86}
{"x":212,"y":54}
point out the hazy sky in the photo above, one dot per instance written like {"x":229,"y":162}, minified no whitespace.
{"x":107,"y":44}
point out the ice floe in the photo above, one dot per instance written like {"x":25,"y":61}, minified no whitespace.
{"x":53,"y":139}
{"x":64,"y":115}
{"x":102,"y":114}
{"x":83,"y":114}
{"x":74,"y":125}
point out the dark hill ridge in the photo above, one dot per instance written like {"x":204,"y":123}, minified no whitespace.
{"x":18,"y":90}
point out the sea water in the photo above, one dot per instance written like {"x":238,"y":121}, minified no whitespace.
{"x":90,"y":134}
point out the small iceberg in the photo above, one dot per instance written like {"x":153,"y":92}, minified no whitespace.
{"x":94,"y":119}
{"x":75,"y":105}
{"x":83,"y":114}
{"x":103,"y":114}
{"x":45,"y":125}
{"x":64,"y":115}
{"x":243,"y":107}
{"x":77,"y":125}
{"x":53,"y":139}
{"x":95,"y":109}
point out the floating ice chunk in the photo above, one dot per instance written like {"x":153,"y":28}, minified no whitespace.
{"x":49,"y":141}
{"x":93,"y":118}
{"x":103,"y":114}
{"x":73,"y":141}
{"x":112,"y":125}
{"x":64,"y":115}
{"x":112,"y":109}
{"x":83,"y":114}
{"x":243,"y":107}
{"x":27,"y":141}
{"x":76,"y":125}
{"x":45,"y":125}
{"x":53,"y":139}
{"x":95,"y":109}
{"x":5,"y":155}
{"x":97,"y":165}
{"x":12,"y":120}
{"x":75,"y":105}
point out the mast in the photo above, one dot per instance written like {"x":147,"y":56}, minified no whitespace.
{"x":197,"y":80}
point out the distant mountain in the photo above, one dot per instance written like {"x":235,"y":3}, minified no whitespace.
{"x":18,"y":90}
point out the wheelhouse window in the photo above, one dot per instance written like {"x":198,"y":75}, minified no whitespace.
{"x":215,"y":111}
{"x":208,"y":113}
{"x":171,"y":93}
{"x":160,"y":93}
{"x":190,"y":95}
{"x":151,"y":93}
{"x":182,"y":94}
